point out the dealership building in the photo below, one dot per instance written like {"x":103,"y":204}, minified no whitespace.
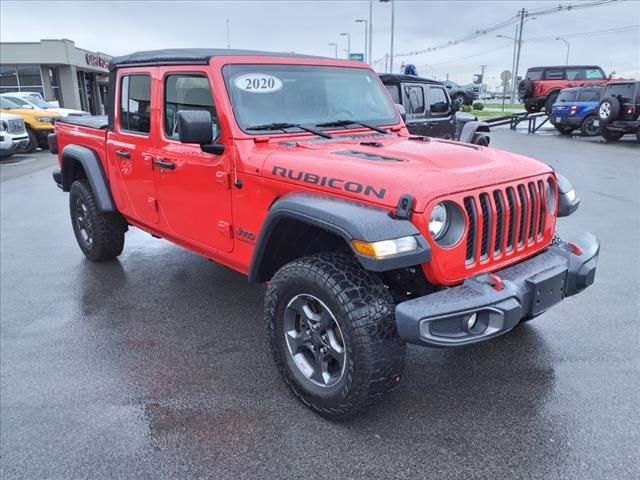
{"x":58,"y":70}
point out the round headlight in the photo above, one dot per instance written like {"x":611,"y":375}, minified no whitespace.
{"x":438,"y":221}
{"x":550,"y":196}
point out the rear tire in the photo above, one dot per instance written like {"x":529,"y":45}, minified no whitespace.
{"x":100,"y":235}
{"x":460,"y":98}
{"x":531,"y":108}
{"x":328,"y":301}
{"x":588,"y":129}
{"x":611,"y":135}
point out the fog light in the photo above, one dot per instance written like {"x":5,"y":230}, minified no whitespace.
{"x":471,"y":321}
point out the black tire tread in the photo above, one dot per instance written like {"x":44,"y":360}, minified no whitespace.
{"x":370,"y":312}
{"x":108,"y":227}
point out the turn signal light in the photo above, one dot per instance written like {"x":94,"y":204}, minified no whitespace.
{"x":385,"y":248}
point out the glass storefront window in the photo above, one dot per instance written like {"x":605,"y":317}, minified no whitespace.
{"x":8,"y":76}
{"x":21,"y":78}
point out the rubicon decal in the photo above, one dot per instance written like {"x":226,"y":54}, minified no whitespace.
{"x":335,"y":183}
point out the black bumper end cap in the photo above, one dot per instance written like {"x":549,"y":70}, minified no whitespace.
{"x":57,"y":177}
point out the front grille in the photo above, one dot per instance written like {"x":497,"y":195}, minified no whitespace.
{"x":15,"y":126}
{"x":504,"y":219}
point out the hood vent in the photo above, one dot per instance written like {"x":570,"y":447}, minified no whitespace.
{"x":367,"y":156}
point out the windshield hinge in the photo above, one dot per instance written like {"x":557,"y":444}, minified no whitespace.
{"x":405,"y":204}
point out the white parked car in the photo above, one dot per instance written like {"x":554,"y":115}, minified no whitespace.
{"x":13,"y":134}
{"x":34,"y":100}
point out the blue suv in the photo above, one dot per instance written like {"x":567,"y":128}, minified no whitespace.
{"x":577,"y":108}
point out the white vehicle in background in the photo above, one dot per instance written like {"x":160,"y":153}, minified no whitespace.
{"x":35,"y":100}
{"x":13,"y":134}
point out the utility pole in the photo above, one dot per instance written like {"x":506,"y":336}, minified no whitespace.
{"x":228,"y":43}
{"x":482,"y":69}
{"x":515,"y":74}
{"x":513,"y":67}
{"x":370,"y":59}
{"x":393,"y":8}
{"x":348,"y":35}
{"x":386,"y":63}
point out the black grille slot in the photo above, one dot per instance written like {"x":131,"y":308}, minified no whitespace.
{"x":470,"y":208}
{"x":543,"y":208}
{"x":486,"y":224}
{"x":534,"y":211}
{"x":511,"y":199}
{"x":523,"y":214}
{"x":497,"y":199}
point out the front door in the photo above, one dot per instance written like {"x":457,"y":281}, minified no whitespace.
{"x":415,"y":105}
{"x":439,"y":112}
{"x":194,"y":188}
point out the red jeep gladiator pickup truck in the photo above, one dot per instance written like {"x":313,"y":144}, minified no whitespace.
{"x":298,"y":172}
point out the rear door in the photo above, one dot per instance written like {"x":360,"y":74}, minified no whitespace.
{"x":416,"y":106}
{"x":194,"y":193}
{"x":130,"y":143}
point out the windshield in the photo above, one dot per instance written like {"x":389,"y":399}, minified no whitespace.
{"x":7,"y":104}
{"x":306,"y":95}
{"x":37,"y":101}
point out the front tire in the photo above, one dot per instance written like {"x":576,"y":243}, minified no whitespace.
{"x":332,"y":332}
{"x":460,"y":98}
{"x":33,"y":141}
{"x":100,"y":235}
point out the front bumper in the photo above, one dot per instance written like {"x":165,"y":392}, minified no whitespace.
{"x":13,"y":143}
{"x":499,"y":302}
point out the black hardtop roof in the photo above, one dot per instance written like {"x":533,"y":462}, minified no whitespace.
{"x":190,"y":55}
{"x":397,"y":77}
{"x":564,"y":66}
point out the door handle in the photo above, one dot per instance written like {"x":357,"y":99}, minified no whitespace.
{"x":165,"y":164}
{"x":123,"y":154}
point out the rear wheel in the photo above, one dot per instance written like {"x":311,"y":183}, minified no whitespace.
{"x":531,"y":107}
{"x":611,"y":135}
{"x":100,"y":235}
{"x":589,"y":127}
{"x":333,"y":336}
{"x":459,"y":97}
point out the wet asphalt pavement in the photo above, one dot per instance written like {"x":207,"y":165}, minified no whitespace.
{"x":156,"y":366}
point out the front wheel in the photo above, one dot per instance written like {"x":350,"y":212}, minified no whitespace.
{"x":459,"y":98}
{"x":100,"y":235}
{"x":33,"y":142}
{"x":332,"y":332}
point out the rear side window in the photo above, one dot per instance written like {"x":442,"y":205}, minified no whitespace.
{"x":623,"y":92}
{"x":534,"y":75}
{"x":187,"y":92}
{"x":589,"y":95}
{"x":566,"y":96}
{"x":438,"y":100}
{"x":415,"y":95}
{"x":135,"y":103}
{"x":554,"y":74}
{"x":594,"y":74}
{"x":394,"y":92}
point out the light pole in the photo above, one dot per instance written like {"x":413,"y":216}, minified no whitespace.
{"x":361,"y":20}
{"x":566,"y":42}
{"x":348,"y":35}
{"x":370,"y":32}
{"x":335,"y":45}
{"x":393,"y":9}
{"x":513,"y":62}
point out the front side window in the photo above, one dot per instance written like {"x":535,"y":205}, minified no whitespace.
{"x":594,"y":74}
{"x":438,"y":102}
{"x":415,"y":97}
{"x":307,"y":95}
{"x":591,"y":95}
{"x":135,"y":103}
{"x":187,"y":92}
{"x":554,"y":74}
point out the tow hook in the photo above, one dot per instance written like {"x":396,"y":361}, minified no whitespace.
{"x":498,"y":284}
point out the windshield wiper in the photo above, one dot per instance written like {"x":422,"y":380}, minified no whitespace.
{"x":283,"y":126}
{"x":344,"y":123}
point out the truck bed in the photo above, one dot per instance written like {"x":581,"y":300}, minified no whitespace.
{"x":92,"y":121}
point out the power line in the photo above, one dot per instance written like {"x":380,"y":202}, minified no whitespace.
{"x":505,"y":22}
{"x":594,"y":33}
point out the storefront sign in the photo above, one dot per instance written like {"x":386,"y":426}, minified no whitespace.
{"x":96,"y":60}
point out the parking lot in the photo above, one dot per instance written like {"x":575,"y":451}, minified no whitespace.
{"x":157,"y":366}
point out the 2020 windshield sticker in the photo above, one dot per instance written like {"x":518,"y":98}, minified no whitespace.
{"x":258,"y":83}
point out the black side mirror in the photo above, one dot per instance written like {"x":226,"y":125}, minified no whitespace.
{"x":194,"y":126}
{"x":401,"y":111}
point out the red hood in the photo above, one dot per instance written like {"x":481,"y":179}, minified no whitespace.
{"x":424,"y":169}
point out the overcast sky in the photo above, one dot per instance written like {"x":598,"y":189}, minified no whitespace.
{"x":308,"y":26}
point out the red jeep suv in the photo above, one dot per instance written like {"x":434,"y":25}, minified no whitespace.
{"x":541,"y":85}
{"x":299,"y":172}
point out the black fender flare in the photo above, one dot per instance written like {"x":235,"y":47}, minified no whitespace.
{"x":470,"y":128}
{"x":347,"y":219}
{"x":95,"y":174}
{"x":568,"y":200}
